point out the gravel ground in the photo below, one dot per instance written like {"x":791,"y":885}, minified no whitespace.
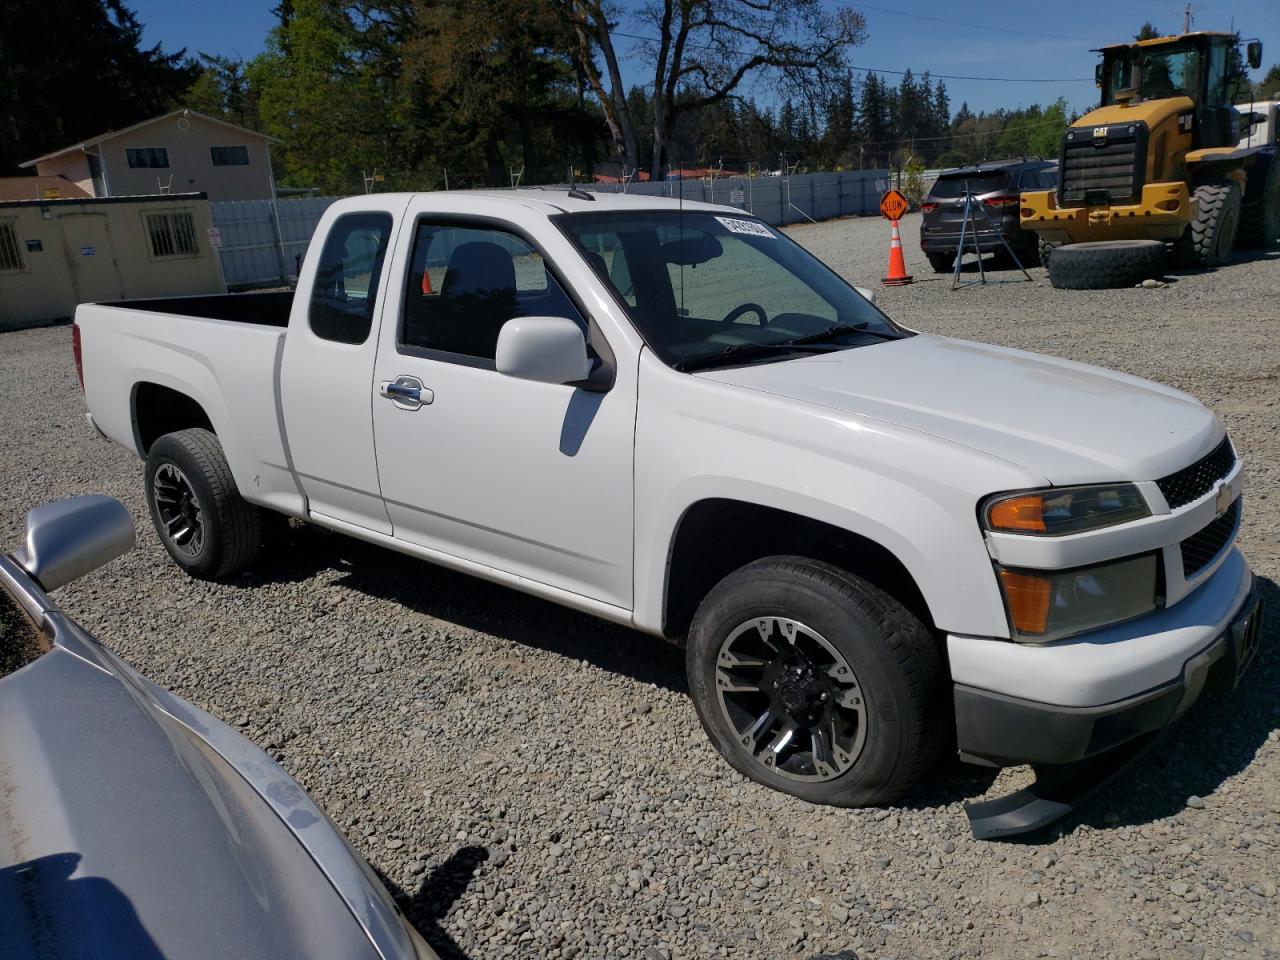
{"x":533,"y":782}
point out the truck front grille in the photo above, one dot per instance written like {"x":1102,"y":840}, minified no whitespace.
{"x":1098,"y":168}
{"x":1199,"y":549}
{"x":1193,"y":482}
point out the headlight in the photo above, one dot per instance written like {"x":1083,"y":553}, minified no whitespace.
{"x":1062,"y":510}
{"x":1049,"y":605}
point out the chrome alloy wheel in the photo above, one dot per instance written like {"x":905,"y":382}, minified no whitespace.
{"x":792,"y":699}
{"x":179,"y":511}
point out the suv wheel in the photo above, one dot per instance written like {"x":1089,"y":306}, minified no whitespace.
{"x":812,"y":681}
{"x":204,"y":523}
{"x":942,"y":262}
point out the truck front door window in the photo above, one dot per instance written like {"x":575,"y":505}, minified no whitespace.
{"x":346,"y":282}
{"x":465,"y":282}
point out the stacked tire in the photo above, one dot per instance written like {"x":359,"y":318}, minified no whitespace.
{"x":1105,"y":265}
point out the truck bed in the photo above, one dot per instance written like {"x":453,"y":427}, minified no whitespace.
{"x":269,"y":309}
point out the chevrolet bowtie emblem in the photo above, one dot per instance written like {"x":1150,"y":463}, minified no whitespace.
{"x":1223,"y":500}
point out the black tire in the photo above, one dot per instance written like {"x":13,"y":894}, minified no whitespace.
{"x":190,"y":488}
{"x":942,"y":262}
{"x":1105,"y":265}
{"x":1209,"y":239}
{"x":1045,"y":249}
{"x":895,"y":665}
{"x":1260,"y":217}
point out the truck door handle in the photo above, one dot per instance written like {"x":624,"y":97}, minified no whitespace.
{"x":406,"y":392}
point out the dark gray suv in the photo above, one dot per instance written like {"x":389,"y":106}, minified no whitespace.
{"x":997,"y":184}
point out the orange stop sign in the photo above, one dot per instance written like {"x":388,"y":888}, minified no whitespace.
{"x":893,"y":205}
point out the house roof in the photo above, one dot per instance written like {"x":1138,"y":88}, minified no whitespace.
{"x":39,"y":188}
{"x":112,"y":134}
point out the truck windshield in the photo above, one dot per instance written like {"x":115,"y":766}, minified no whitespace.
{"x":708,"y":289}
{"x":1166,"y":72}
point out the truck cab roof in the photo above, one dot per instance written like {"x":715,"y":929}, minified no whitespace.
{"x":552,"y":202}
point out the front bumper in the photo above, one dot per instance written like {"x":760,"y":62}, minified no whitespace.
{"x":1074,"y":750}
{"x":1162,"y":213}
{"x":998,"y":729}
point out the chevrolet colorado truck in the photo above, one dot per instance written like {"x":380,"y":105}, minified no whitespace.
{"x":876,"y":544}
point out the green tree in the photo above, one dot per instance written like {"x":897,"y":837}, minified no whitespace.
{"x":222,"y":90}
{"x":70,"y":69}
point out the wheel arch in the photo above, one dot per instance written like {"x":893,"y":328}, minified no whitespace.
{"x":156,"y":409}
{"x":717,"y":535}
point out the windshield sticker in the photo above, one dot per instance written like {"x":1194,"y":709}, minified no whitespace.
{"x":749,"y":227}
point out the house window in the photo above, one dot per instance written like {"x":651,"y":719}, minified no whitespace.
{"x":230,"y":156}
{"x":147,"y":156}
{"x":10,"y":255}
{"x":172,"y":235}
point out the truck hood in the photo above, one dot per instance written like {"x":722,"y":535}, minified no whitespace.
{"x":1066,"y":422}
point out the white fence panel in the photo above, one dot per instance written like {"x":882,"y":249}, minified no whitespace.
{"x":263,"y":241}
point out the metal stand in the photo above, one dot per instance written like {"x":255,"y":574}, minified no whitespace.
{"x":969,"y":226}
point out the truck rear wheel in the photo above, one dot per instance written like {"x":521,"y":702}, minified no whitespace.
{"x":204,"y":523}
{"x":1209,"y":239}
{"x":1105,"y":264}
{"x":1260,"y":219}
{"x":812,"y":681}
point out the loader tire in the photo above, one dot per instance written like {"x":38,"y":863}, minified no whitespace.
{"x":1260,"y":219}
{"x":1211,"y":236}
{"x":1105,"y":265}
{"x":1045,"y":248}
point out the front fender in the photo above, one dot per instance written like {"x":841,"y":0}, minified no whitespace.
{"x":912,"y":494}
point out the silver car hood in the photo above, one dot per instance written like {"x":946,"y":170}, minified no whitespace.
{"x":134,"y":825}
{"x":1064,"y":421}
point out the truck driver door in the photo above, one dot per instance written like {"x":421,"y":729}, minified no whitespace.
{"x":533,"y":479}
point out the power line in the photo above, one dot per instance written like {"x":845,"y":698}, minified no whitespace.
{"x":942,"y":76}
{"x":971,"y":26}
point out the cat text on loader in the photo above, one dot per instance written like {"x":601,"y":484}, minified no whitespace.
{"x":1165,"y":164}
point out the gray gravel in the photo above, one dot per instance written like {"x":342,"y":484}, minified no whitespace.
{"x":533,"y":782}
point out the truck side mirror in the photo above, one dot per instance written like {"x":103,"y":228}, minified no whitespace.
{"x":1253,"y":53}
{"x":68,"y":538}
{"x":545,"y":349}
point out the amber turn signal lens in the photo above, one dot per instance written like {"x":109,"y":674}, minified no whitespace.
{"x":1018,"y":513}
{"x":1028,"y":599}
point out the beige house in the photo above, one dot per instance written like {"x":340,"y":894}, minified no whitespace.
{"x":180,"y":152}
{"x":55,"y":254}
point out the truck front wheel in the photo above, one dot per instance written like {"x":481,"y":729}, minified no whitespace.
{"x":204,"y":523}
{"x":812,"y":681}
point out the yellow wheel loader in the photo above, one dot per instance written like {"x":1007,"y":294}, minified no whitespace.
{"x":1166,"y":161}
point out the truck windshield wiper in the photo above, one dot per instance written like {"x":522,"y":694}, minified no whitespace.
{"x":839,"y":330}
{"x":742,"y":352}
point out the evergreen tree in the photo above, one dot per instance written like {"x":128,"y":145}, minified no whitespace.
{"x":70,"y":69}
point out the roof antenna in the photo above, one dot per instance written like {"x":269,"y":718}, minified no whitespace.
{"x":581,"y":194}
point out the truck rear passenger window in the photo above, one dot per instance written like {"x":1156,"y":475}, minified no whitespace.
{"x":466,"y":282}
{"x":346,"y":284}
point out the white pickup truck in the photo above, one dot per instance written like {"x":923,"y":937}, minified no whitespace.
{"x":875,"y":543}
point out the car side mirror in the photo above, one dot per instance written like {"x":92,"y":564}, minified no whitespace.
{"x":545,"y":349}
{"x":868,"y":294}
{"x":68,"y":538}
{"x":1253,"y":53}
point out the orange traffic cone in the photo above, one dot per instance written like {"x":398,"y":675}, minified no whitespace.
{"x":426,"y":281}
{"x":898,"y":275}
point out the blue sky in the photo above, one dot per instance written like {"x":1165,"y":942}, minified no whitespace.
{"x":1053,"y":45}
